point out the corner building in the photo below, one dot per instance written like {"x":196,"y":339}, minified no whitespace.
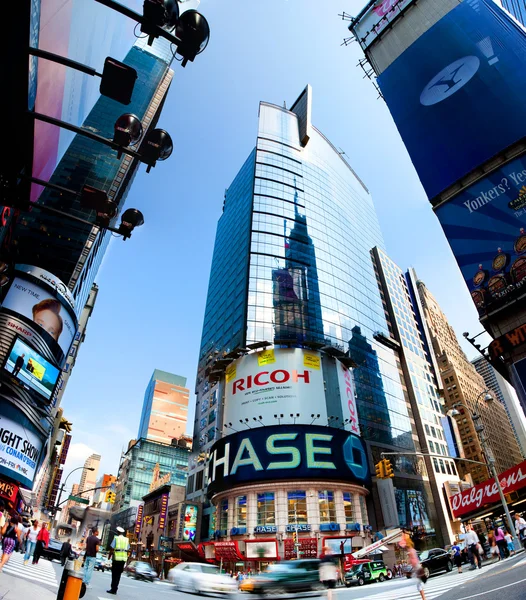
{"x":293,"y":301}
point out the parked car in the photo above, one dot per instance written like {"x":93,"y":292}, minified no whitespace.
{"x":201,"y":579}
{"x":286,"y":577}
{"x":367,"y":573}
{"x":433,"y":561}
{"x":53,"y":550}
{"x":140,"y":570}
{"x":102,"y":562}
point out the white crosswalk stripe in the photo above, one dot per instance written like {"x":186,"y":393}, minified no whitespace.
{"x":43,"y":572}
{"x":436,"y":586}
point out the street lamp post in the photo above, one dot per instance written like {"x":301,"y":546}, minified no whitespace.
{"x":61,"y":490}
{"x":490,"y":459}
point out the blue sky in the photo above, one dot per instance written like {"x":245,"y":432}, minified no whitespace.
{"x":153,"y":287}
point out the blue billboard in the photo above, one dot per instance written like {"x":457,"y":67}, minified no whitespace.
{"x":287,"y":452}
{"x":486,"y":229}
{"x":457,"y":93}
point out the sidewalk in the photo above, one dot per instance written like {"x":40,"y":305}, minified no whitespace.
{"x":15,"y":588}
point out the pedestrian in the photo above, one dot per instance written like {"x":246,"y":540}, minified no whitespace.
{"x":42,"y":542}
{"x":31,"y":540}
{"x":494,"y":549}
{"x":520,"y":528}
{"x":19,"y":363}
{"x":92,"y":547}
{"x":457,"y":558}
{"x":501,"y":542}
{"x":11,"y":535}
{"x":509,"y":543}
{"x":472,"y":541}
{"x":418,"y":572}
{"x":328,"y":572}
{"x":65,"y":551}
{"x":120,"y":547}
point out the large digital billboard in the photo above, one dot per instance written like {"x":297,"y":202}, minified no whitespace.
{"x":287,"y":452}
{"x":485,"y":226}
{"x":457,"y":93}
{"x":377,"y":18}
{"x":277,"y":381}
{"x":190,"y":522}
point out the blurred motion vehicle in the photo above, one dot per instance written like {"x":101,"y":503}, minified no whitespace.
{"x":52,"y":552}
{"x":140,"y":570}
{"x":201,"y":579}
{"x":286,"y":577}
{"x":367,"y":573}
{"x":432,"y":561}
{"x":102,"y":563}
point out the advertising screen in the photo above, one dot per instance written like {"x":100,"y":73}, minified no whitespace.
{"x":348,"y":397}
{"x":190,"y":522}
{"x":288,"y":452}
{"x":377,"y":18}
{"x":271,"y":382}
{"x":485,"y":226}
{"x":31,"y":369}
{"x":457,"y":93}
{"x":41,"y":307}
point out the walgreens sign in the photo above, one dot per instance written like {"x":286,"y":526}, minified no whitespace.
{"x":487,"y":493}
{"x":273,"y":382}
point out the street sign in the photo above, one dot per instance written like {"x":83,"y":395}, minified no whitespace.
{"x":79,"y":500}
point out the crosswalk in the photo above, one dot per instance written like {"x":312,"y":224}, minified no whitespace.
{"x":42,"y":573}
{"x":435,"y":586}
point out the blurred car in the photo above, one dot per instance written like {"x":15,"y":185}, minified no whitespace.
{"x":286,"y":577}
{"x":367,"y":573}
{"x":141,"y":570}
{"x":52,"y":552}
{"x":201,"y":579}
{"x":432,"y":561}
{"x":102,"y":562}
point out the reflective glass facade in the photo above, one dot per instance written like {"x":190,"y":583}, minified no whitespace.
{"x":517,"y":8}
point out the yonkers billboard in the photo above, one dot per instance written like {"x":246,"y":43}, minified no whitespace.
{"x":457,"y":93}
{"x":287,"y":452}
{"x":485,"y":229}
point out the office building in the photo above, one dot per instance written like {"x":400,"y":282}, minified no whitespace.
{"x":105,"y":483}
{"x":517,"y":8}
{"x":505,"y":394}
{"x":293,"y":299}
{"x":165,"y":408}
{"x":70,"y":250}
{"x":462,"y":384}
{"x":88,"y":478}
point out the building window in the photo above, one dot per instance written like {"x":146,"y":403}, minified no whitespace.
{"x":241,"y":511}
{"x":297,"y":507}
{"x":199,"y":480}
{"x":223,"y":514}
{"x":348,"y":507}
{"x":442,"y":468}
{"x":363,"y":510}
{"x":327,"y":508}
{"x":266,"y":509}
{"x":437,"y":468}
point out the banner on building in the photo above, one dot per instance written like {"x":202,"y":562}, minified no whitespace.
{"x":457,"y":93}
{"x":376,"y":19}
{"x":163,"y":512}
{"x":348,"y":398}
{"x":487,"y":492}
{"x":65,"y":449}
{"x":190,"y":522}
{"x":138,"y":520}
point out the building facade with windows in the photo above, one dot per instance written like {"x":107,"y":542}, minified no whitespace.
{"x":517,"y":8}
{"x":292,"y":273}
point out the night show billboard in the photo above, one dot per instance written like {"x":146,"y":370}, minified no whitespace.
{"x":485,"y":226}
{"x":287,"y":452}
{"x":457,"y":93}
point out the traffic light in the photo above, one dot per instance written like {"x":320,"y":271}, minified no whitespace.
{"x":388,"y":468}
{"x":110,"y":497}
{"x":295,"y":537}
{"x":380,"y":470}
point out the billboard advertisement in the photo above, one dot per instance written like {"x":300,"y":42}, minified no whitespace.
{"x":287,"y":452}
{"x":485,"y":226}
{"x":348,"y":397}
{"x":190,"y":522}
{"x":376,"y":19}
{"x":32,"y":370}
{"x":457,"y":93}
{"x":275,"y":381}
{"x":51,"y":314}
{"x":20,"y":447}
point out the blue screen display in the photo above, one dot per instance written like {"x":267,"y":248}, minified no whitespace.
{"x":457,"y":93}
{"x":485,"y":226}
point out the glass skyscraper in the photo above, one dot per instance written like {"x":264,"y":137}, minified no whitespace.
{"x":292,"y":266}
{"x":517,"y":8}
{"x":70,"y":250}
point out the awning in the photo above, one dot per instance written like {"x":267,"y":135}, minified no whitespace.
{"x":188,"y":548}
{"x":228,"y":551}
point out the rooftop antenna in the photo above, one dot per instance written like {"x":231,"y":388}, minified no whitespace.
{"x":284,"y":104}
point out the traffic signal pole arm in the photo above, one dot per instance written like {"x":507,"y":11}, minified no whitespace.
{"x":106,"y":487}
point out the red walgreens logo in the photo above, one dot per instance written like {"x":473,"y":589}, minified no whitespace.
{"x":266,"y":378}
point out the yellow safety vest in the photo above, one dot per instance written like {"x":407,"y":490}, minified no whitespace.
{"x":120,"y":552}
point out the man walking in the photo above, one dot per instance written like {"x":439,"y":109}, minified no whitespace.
{"x":472,"y":541}
{"x":19,"y":363}
{"x":64,"y":552}
{"x":92,"y":547}
{"x":119,"y":550}
{"x":520,"y":528}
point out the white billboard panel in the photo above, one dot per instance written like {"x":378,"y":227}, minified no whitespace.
{"x":348,"y":398}
{"x":377,"y":18}
{"x":278,"y":381}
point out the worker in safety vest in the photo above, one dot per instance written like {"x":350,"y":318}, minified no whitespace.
{"x":119,"y":552}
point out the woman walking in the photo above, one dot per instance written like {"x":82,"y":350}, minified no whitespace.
{"x":11,"y":534}
{"x":31,"y":541}
{"x":42,"y":542}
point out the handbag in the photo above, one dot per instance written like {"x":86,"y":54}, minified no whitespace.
{"x":421,"y":574}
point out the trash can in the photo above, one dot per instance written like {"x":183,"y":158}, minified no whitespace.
{"x":72,"y":586}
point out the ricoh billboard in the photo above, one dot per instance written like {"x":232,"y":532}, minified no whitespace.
{"x":277,"y":381}
{"x":486,"y":229}
{"x":457,"y":93}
